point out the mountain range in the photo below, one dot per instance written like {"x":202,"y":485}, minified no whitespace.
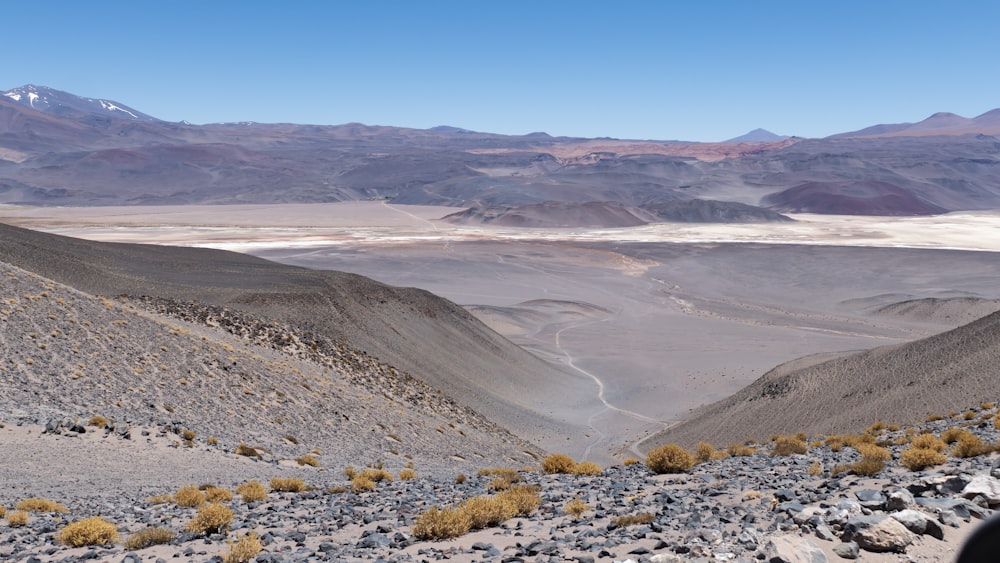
{"x":60,"y":149}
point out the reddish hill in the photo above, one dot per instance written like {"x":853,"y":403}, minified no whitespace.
{"x":850,"y":198}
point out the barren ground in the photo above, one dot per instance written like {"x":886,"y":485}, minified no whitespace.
{"x":660,"y":318}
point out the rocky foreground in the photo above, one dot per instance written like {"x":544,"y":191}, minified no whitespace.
{"x":758,"y":507}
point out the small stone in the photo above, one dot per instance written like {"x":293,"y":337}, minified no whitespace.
{"x":790,"y":549}
{"x":847,"y":550}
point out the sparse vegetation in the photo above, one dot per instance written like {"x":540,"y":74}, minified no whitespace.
{"x":89,"y":531}
{"x":246,"y":450}
{"x":188,"y":435}
{"x":243,"y":550}
{"x":815,"y":469}
{"x":439,"y":524}
{"x":406,"y":474}
{"x":217,"y":494}
{"x":211,"y":518}
{"x":741,"y":450}
{"x":576,"y":508}
{"x":788,"y":445}
{"x":98,"y":421}
{"x":586,"y":468}
{"x":307,"y":459}
{"x":633,"y":519}
{"x":17,"y":518}
{"x":189,"y":496}
{"x":148,"y":537}
{"x":916,"y":459}
{"x":288,"y":485}
{"x":36,"y":504}
{"x":558,"y":463}
{"x":670,"y":458}
{"x":252,"y":491}
{"x":362,"y":484}
{"x":928,"y":441}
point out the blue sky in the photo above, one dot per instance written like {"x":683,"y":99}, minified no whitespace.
{"x":700,"y":71}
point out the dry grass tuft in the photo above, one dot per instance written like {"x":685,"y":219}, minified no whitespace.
{"x":576,"y":508}
{"x":586,"y":468}
{"x":361,"y":484}
{"x":486,"y":511}
{"x":288,"y":485}
{"x":871,"y":451}
{"x":211,"y":518}
{"x":89,"y":531}
{"x":670,"y":458}
{"x":741,"y":450}
{"x":377,"y":474}
{"x":970,"y":445}
{"x":160,"y":499}
{"x":350,"y":472}
{"x":307,"y":459}
{"x":558,"y":463}
{"x":815,"y":469}
{"x":252,"y":491}
{"x":17,"y":519}
{"x":188,"y":435}
{"x":36,"y":504}
{"x":440,"y":524}
{"x":525,"y":498}
{"x":246,"y":450}
{"x":407,"y":474}
{"x":916,"y":459}
{"x":217,"y":494}
{"x":788,"y":445}
{"x":245,"y":549}
{"x":148,"y":537}
{"x":633,"y":519}
{"x":630,"y":461}
{"x":189,"y":496}
{"x":3,"y":511}
{"x":98,"y":421}
{"x":928,"y":442}
{"x":459,"y":479}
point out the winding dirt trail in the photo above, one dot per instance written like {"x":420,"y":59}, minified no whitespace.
{"x":570,"y":361}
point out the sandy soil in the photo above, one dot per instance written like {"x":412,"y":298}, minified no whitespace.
{"x":661,"y":318}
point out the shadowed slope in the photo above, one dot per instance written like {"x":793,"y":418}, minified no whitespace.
{"x":897,"y":384}
{"x":411,"y":329}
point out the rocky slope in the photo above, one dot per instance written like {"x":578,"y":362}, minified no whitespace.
{"x":740,"y":508}
{"x":412,"y":330}
{"x":175,"y":367}
{"x":900,"y":384}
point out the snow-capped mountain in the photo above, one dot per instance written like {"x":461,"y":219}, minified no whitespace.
{"x":68,"y":105}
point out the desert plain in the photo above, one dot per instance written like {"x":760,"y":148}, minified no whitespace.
{"x":651,"y":321}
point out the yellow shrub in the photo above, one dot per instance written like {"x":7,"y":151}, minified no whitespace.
{"x":361,"y":484}
{"x":788,"y":445}
{"x":189,"y":496}
{"x":741,"y":450}
{"x":307,"y":459}
{"x":252,"y":491}
{"x":815,"y":469}
{"x":485,"y":512}
{"x":350,"y":472}
{"x":928,"y":442}
{"x":703,"y":452}
{"x":377,"y":475}
{"x":160,"y":499}
{"x":288,"y":485}
{"x":630,"y":461}
{"x":670,"y":458}
{"x":246,"y":450}
{"x":188,"y":434}
{"x":951,"y":435}
{"x":576,"y":508}
{"x":871,"y":451}
{"x":248,"y":547}
{"x":35,"y":504}
{"x":633,"y":519}
{"x":17,"y":518}
{"x":211,"y":518}
{"x":970,"y":445}
{"x":459,"y":479}
{"x":407,"y":474}
{"x":558,"y":463}
{"x":524,"y":498}
{"x":217,"y":494}
{"x":586,"y":468}
{"x":98,"y":421}
{"x":438,"y":524}
{"x":89,"y":531}
{"x":3,"y":511}
{"x":148,"y":537}
{"x":916,"y":459}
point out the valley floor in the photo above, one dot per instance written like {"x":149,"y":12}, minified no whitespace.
{"x":655,"y":320}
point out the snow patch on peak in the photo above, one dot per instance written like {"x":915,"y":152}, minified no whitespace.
{"x":31,"y":98}
{"x":112,"y":107}
{"x":13,"y":95}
